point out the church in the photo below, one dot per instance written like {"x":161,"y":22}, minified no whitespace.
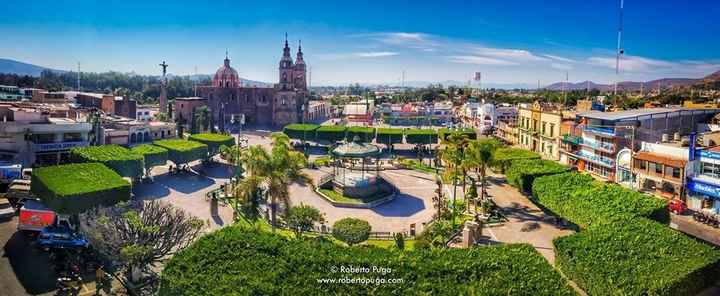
{"x":277,"y":106}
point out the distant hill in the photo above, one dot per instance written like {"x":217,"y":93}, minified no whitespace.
{"x":20,"y":68}
{"x":634,"y":85}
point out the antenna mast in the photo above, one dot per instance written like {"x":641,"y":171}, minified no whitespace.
{"x":620,"y":51}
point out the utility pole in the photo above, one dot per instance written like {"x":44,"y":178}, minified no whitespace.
{"x":78,"y":78}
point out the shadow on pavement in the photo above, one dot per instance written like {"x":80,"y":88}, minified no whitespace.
{"x":403,"y":205}
{"x":32,"y":266}
{"x":215,"y":170}
{"x":150,"y":191}
{"x":184,"y":182}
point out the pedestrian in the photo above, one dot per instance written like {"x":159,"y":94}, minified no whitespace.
{"x":99,"y":279}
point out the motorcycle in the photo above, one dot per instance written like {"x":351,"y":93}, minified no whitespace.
{"x":699,"y":217}
{"x":69,"y":283}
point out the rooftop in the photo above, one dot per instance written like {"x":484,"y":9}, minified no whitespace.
{"x":618,"y":115}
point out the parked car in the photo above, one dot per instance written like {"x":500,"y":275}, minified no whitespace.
{"x":60,"y":237}
{"x":677,"y":206}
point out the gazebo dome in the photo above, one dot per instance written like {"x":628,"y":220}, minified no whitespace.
{"x":226,"y":76}
{"x":356,"y":149}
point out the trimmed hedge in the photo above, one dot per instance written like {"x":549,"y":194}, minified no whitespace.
{"x":298,"y":130}
{"x":120,"y":159}
{"x":585,"y":202}
{"x":74,"y":188}
{"x":330,"y":133}
{"x":389,"y":136}
{"x":637,"y":257}
{"x":153,"y":155}
{"x":503,"y":157}
{"x":213,"y":141}
{"x":421,"y":136}
{"x":366,"y":134}
{"x":183,"y":151}
{"x":522,"y":172}
{"x":444,"y":133}
{"x":242,"y":261}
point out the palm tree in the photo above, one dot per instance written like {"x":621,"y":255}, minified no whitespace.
{"x":452,"y":155}
{"x":478,"y":156}
{"x":273,"y":171}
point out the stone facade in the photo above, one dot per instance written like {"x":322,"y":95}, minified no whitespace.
{"x":278,"y":105}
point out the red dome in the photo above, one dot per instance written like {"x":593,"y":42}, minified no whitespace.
{"x":226,"y":76}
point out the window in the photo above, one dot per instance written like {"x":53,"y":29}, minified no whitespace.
{"x":543,"y":127}
{"x":552,"y":129}
{"x":72,"y":137}
{"x":710,"y":169}
{"x":643,"y":165}
{"x":658,"y":168}
{"x":676,"y":172}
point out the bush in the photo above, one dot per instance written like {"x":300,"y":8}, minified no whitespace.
{"x":240,"y":261}
{"x":444,"y":133}
{"x":583,"y":201}
{"x":183,"y":151}
{"x":153,"y":155}
{"x":637,"y":257}
{"x":421,"y":136}
{"x":330,"y":133}
{"x":351,"y":231}
{"x":503,"y":157}
{"x":522,"y":172}
{"x":213,"y":141}
{"x":74,"y":188}
{"x":366,"y":134}
{"x":389,"y":136}
{"x":120,"y":159}
{"x":297,"y":131}
{"x":322,"y":161}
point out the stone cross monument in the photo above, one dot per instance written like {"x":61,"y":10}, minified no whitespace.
{"x":163,"y":91}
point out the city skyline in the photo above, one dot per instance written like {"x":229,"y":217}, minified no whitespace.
{"x":508,"y":43}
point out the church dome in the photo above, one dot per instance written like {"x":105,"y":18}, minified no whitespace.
{"x":226,"y":76}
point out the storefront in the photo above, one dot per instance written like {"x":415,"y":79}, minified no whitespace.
{"x":703,"y":195}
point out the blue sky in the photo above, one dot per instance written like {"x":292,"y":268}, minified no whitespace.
{"x":371,"y":41}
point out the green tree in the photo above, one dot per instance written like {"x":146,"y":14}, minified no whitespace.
{"x":399,"y":240}
{"x":351,"y":231}
{"x":478,"y":156}
{"x":302,"y":218}
{"x":453,"y":156}
{"x":273,"y":172}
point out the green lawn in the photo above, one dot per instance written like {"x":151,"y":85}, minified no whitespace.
{"x":346,"y":199}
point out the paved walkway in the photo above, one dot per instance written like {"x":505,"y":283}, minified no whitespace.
{"x":521,"y":212}
{"x":412,"y":205}
{"x":686,"y":224}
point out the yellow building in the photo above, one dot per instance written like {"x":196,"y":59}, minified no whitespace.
{"x":539,"y":129}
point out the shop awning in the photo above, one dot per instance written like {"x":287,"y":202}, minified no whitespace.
{"x":671,"y":161}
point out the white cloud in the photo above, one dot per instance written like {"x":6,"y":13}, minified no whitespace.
{"x":479,"y":60}
{"x":419,"y":41}
{"x":559,"y":58}
{"x":518,"y":55}
{"x":561,"y":66}
{"x":355,"y":55}
{"x":632,"y":63}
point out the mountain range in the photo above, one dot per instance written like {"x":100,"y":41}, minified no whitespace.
{"x":663,"y":83}
{"x":9,"y":66}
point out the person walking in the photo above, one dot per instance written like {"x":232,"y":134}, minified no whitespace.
{"x":99,"y":279}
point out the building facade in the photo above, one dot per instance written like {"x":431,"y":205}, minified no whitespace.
{"x":278,"y":105}
{"x":539,"y":129}
{"x":660,"y":168}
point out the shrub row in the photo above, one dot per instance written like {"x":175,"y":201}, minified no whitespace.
{"x":503,"y":157}
{"x":332,"y":133}
{"x":74,"y":188}
{"x":421,"y":136}
{"x":637,"y":257}
{"x":298,"y":130}
{"x":213,"y":141}
{"x":522,"y":172}
{"x":153,"y":155}
{"x":120,"y":159}
{"x":241,"y":261}
{"x":183,"y":151}
{"x":583,"y":201}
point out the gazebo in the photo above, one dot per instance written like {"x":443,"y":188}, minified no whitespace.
{"x":346,"y":172}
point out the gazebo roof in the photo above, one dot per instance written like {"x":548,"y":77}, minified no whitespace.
{"x":356,"y":149}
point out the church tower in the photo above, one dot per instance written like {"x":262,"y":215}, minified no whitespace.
{"x":300,"y":70}
{"x":286,"y":68}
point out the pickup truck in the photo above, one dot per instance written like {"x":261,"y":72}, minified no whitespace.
{"x":18,"y":192}
{"x":34,"y":216}
{"x":60,"y":237}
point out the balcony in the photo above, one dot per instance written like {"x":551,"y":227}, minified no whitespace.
{"x":601,"y":160}
{"x":603,"y":131}
{"x":607,"y":147}
{"x":575,"y":140}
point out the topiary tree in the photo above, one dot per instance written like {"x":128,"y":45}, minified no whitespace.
{"x":183,"y":151}
{"x":213,"y":141}
{"x":120,"y":159}
{"x":153,"y":155}
{"x":351,"y":231}
{"x":302,"y":218}
{"x":74,"y":188}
